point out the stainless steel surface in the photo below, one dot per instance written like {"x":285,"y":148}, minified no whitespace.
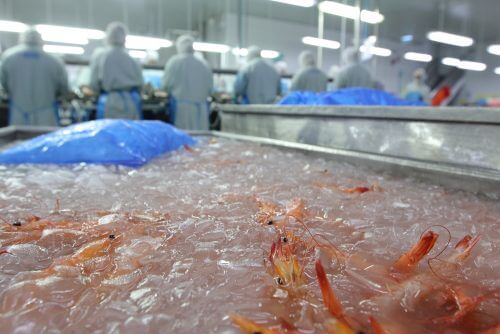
{"x":474,"y":179}
{"x":456,"y":136}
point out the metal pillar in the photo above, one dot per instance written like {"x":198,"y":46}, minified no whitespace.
{"x":321,"y":32}
{"x":357,"y":27}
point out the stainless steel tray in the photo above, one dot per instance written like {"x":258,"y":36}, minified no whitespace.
{"x":456,"y":136}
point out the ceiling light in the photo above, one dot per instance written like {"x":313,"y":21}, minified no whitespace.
{"x":339,"y":9}
{"x":324,"y":43}
{"x":12,"y":26}
{"x":449,"y":61}
{"x":451,"y":39}
{"x":65,"y":38}
{"x":210,"y":47}
{"x":415,"y":56}
{"x":494,"y":49}
{"x":497,"y":70}
{"x":138,"y":54}
{"x":375,"y":50}
{"x":64,"y":49}
{"x":75,"y":32}
{"x":146,"y":43}
{"x":269,"y":54}
{"x":471,"y":65}
{"x":350,"y":12}
{"x":301,"y":3}
{"x":369,"y":16}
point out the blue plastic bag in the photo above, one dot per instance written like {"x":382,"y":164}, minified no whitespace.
{"x":107,"y":142}
{"x":348,"y":96}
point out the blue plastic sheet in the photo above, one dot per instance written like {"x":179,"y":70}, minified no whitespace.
{"x":348,"y":96}
{"x":108,"y":142}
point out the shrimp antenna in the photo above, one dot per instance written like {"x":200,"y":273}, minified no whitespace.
{"x":319,"y":243}
{"x":436,"y":257}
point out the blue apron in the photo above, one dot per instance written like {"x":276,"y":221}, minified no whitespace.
{"x":28,"y":114}
{"x":133,"y":93}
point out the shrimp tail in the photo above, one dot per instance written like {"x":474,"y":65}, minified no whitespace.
{"x":249,"y":326}
{"x":464,"y":248}
{"x":408,"y":261}
{"x":334,"y":326}
{"x":464,"y":304}
{"x":376,"y":326}
{"x":331,"y":302}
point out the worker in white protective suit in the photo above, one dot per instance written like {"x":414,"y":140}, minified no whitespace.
{"x":33,"y":80}
{"x":189,"y":82}
{"x":352,"y":73}
{"x":116,"y":77}
{"x":309,"y":78}
{"x":417,"y":90}
{"x":257,"y":82}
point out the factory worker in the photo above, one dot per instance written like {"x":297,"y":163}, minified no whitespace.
{"x":309,"y":78}
{"x":417,"y":90}
{"x":33,"y":81}
{"x":116,"y":77}
{"x":189,"y":82}
{"x":257,"y":82}
{"x":333,"y":72}
{"x":352,"y":73}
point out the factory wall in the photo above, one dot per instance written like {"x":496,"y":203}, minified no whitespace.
{"x":393,"y":72}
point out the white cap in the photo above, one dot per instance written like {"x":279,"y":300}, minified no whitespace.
{"x":306,"y":59}
{"x":253,"y":52}
{"x":116,"y":34}
{"x":350,"y":56}
{"x":184,"y":44}
{"x":31,"y":37}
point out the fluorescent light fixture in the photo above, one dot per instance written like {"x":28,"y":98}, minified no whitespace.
{"x":494,"y":49}
{"x":407,"y":38}
{"x":369,"y":16}
{"x":75,"y":32}
{"x":65,"y":39}
{"x":301,"y":3}
{"x":269,"y":54}
{"x":450,"y":61}
{"x":138,"y":54}
{"x":451,"y":39}
{"x":324,"y":43}
{"x":12,"y":26}
{"x":497,"y":70}
{"x":471,"y":65}
{"x":350,"y":12}
{"x":415,"y":56}
{"x":375,"y":50}
{"x":339,"y":9}
{"x":242,"y":52}
{"x":63,"y":49}
{"x":146,"y":43}
{"x":210,"y":47}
